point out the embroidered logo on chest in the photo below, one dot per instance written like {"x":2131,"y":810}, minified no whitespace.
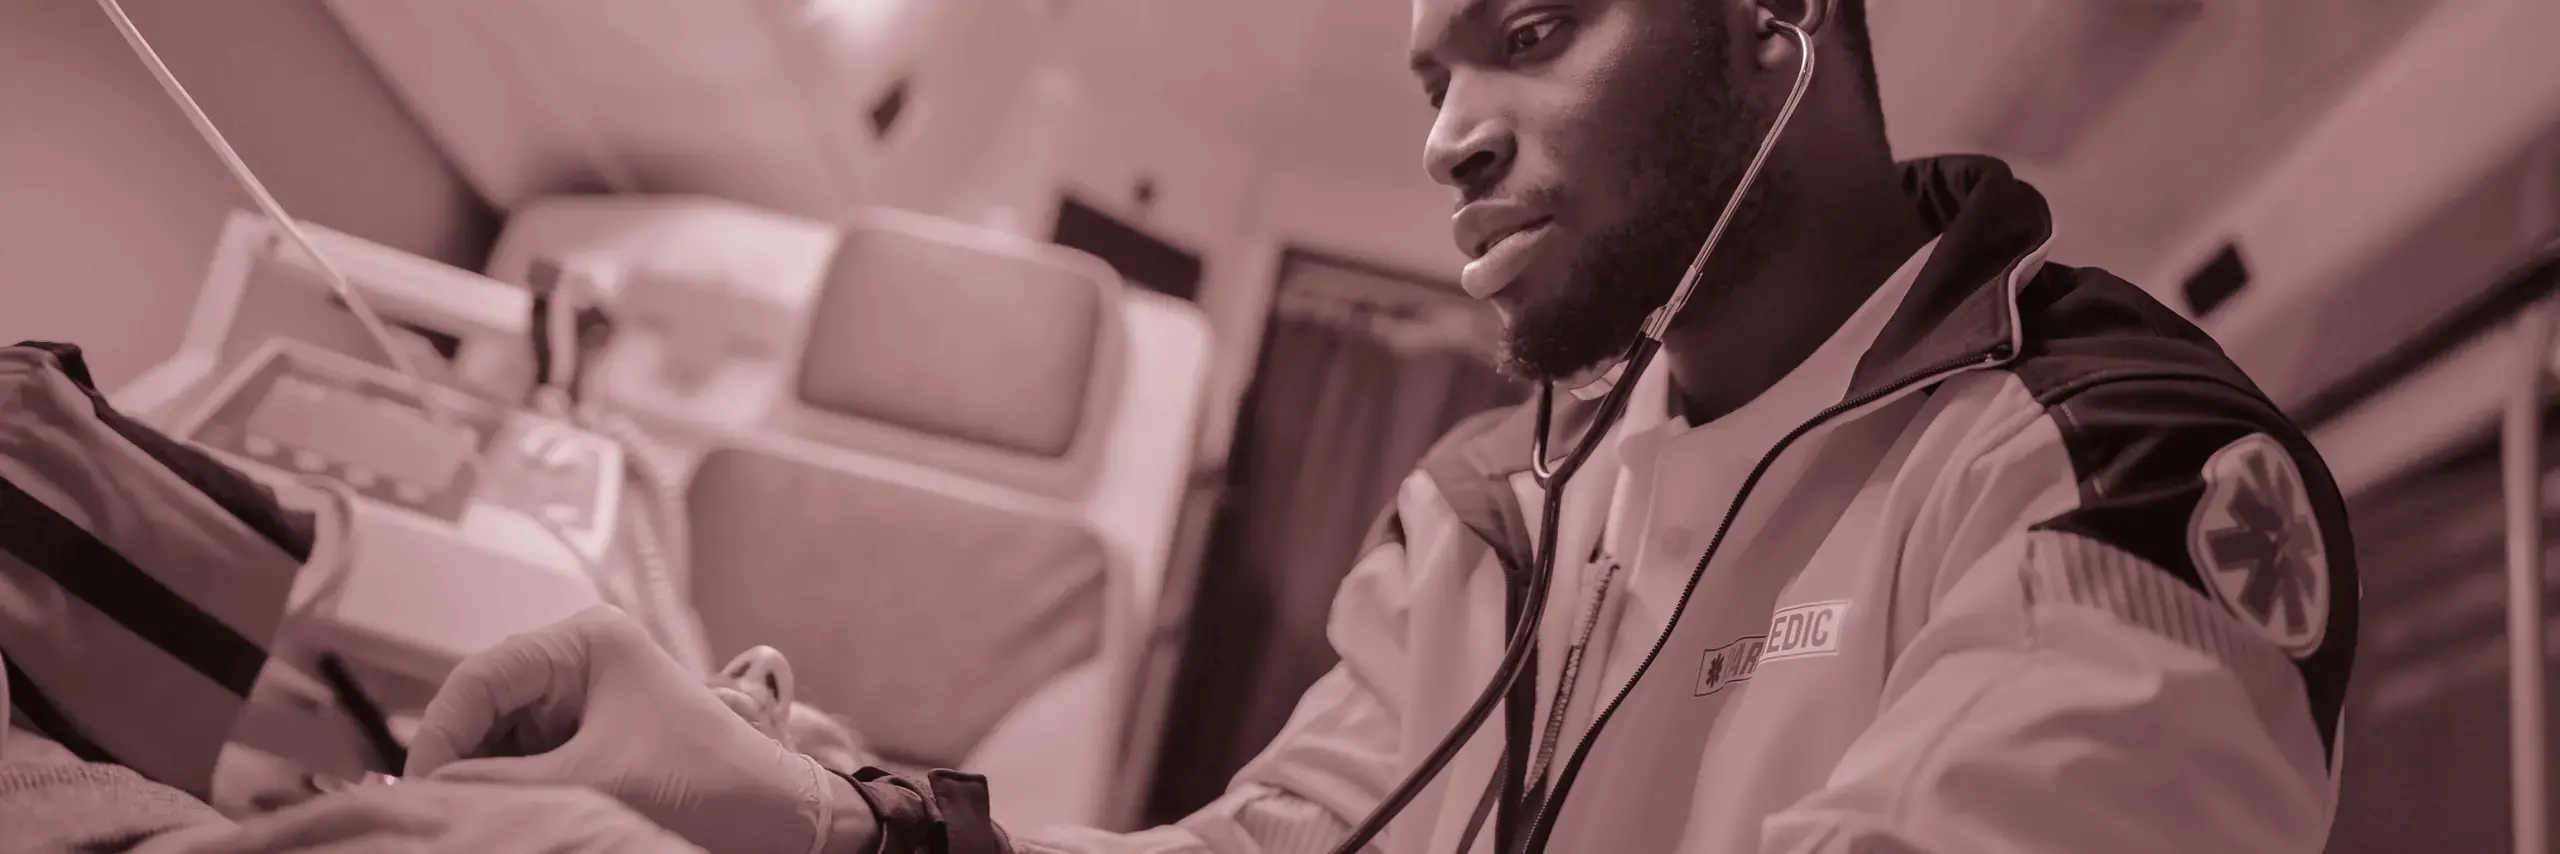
{"x":1729,"y":665}
{"x":1802,"y":631}
{"x":1805,"y":631}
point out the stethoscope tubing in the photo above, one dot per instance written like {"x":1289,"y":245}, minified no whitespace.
{"x":1551,"y":478}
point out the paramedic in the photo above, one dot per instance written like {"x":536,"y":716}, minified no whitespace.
{"x":1912,"y":540}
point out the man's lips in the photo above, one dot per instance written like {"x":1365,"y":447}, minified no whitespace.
{"x":1480,"y":225}
{"x":1499,"y":239}
{"x":1502,"y":261}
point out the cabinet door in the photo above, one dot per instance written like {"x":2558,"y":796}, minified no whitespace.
{"x":2427,"y":711}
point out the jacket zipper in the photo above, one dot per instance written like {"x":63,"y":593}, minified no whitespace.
{"x":1543,"y":822}
{"x":1540,"y":762}
{"x":1569,"y":678}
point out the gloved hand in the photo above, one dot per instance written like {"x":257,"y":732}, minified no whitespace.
{"x":591,"y":701}
{"x":425,"y":816}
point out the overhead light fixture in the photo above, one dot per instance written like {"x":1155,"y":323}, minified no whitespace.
{"x":871,"y":13}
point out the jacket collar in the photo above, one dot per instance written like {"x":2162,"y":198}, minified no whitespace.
{"x":1992,"y":229}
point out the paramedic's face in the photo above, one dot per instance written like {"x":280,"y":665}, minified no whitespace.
{"x":1600,"y":136}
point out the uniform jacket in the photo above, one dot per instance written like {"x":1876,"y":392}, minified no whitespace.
{"x":2054,"y":576}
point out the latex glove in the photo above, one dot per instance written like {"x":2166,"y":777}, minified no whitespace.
{"x":591,"y":701}
{"x":433,"y":818}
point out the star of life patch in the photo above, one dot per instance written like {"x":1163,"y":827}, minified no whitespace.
{"x":2257,"y":545}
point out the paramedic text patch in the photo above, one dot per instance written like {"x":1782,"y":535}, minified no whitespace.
{"x":1728,"y":665}
{"x":1805,"y":630}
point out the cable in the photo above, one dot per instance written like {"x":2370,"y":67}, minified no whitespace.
{"x":370,"y":721}
{"x":656,"y":595}
{"x":658,"y":548}
{"x":373,"y":326}
{"x":565,"y":302}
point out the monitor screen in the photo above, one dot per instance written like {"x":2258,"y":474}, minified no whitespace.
{"x":303,"y":416}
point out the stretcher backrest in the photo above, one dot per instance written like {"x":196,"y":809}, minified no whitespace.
{"x":922,"y":614}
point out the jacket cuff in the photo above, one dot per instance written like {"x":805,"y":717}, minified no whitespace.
{"x":945,"y":813}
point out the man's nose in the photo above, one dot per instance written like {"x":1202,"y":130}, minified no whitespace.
{"x":1470,"y":155}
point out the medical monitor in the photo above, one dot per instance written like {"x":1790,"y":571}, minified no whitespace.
{"x":259,"y":288}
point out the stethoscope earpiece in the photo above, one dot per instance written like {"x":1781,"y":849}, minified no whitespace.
{"x":1810,"y":23}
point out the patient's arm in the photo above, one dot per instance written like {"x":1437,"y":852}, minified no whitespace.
{"x":51,"y":800}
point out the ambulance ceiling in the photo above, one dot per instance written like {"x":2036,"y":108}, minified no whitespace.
{"x":2138,"y":118}
{"x":2134,"y":116}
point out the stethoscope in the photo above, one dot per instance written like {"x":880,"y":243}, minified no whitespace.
{"x":1552,"y":476}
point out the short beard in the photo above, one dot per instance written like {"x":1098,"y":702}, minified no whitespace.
{"x":1703,"y":138}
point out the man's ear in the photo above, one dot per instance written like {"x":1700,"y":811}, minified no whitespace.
{"x":1774,"y":49}
{"x":1809,"y":15}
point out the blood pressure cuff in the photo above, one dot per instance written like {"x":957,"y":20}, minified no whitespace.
{"x":142,"y":581}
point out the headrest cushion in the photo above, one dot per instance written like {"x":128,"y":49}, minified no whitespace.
{"x":956,"y":341}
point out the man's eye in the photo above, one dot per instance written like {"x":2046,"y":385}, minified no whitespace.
{"x":1530,"y":36}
